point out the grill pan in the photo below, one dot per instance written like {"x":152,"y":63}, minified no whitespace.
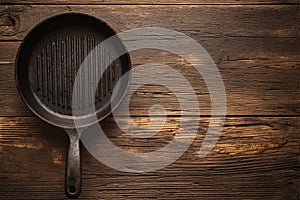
{"x":46,"y":66}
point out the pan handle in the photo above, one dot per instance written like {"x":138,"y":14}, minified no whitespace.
{"x":73,"y":166}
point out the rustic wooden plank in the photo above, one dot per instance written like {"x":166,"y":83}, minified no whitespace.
{"x":255,"y":158}
{"x":260,"y":79}
{"x":220,"y":49}
{"x":196,"y":21}
{"x":153,"y":2}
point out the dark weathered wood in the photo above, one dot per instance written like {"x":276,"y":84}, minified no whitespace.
{"x":149,"y":2}
{"x":196,"y":21}
{"x":255,"y":158}
{"x":256,"y":48}
{"x":266,"y":85}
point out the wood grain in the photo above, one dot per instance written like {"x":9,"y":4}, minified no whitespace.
{"x":255,"y":44}
{"x":201,"y":21}
{"x":252,"y":157}
{"x":149,"y":2}
{"x":254,"y":86}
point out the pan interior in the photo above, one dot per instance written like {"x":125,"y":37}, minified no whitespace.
{"x":49,"y":61}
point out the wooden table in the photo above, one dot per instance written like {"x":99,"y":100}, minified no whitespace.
{"x":256,"y":46}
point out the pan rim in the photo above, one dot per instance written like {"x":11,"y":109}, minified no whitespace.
{"x":68,"y":120}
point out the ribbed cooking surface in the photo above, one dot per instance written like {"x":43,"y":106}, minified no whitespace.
{"x":57,"y":65}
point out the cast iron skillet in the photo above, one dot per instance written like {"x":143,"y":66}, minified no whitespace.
{"x":46,"y":65}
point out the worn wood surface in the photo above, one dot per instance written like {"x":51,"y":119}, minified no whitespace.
{"x":272,"y":88}
{"x":246,"y":43}
{"x":151,"y":2}
{"x":198,"y":21}
{"x":255,"y":158}
{"x":256,"y":48}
